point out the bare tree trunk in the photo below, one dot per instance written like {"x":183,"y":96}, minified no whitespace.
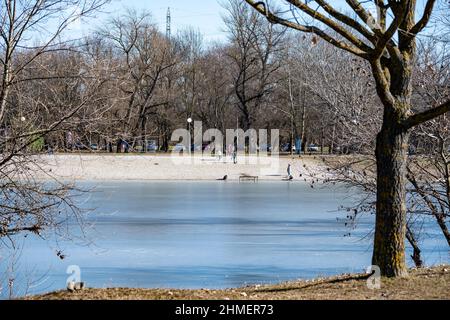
{"x":446,"y":167}
{"x":5,"y":89}
{"x":303,"y":121}
{"x":390,"y":230}
{"x":333,"y":136}
{"x":417,"y":257}
{"x":440,"y":218}
{"x":3,"y":98}
{"x":6,"y":72}
{"x":322,"y":138}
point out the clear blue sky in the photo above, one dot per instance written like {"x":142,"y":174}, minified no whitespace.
{"x":203,"y":15}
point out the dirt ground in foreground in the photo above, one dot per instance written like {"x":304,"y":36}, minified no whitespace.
{"x":424,"y":284}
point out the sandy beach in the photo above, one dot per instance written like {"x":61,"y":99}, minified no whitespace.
{"x":164,"y":167}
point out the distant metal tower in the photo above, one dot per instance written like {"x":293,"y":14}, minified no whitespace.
{"x":168,"y":24}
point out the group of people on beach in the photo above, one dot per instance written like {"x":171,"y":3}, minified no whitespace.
{"x":231,"y":151}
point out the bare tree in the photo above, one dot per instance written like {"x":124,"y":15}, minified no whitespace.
{"x":191,"y":44}
{"x":255,"y":43}
{"x":214,"y":102}
{"x":339,"y":94}
{"x":145,"y":56}
{"x":427,"y":169}
{"x":390,"y":48}
{"x":28,"y":205}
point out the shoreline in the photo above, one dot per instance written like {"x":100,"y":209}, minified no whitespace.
{"x":422,"y":284}
{"x":107,"y":167}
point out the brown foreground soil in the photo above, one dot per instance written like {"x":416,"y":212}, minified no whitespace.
{"x":429,"y":284}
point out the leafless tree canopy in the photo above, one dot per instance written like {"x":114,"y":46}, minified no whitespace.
{"x":46,"y":87}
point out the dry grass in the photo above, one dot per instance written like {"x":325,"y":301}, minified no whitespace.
{"x":429,"y":284}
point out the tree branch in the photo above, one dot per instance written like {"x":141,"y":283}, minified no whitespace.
{"x":346,"y":20}
{"x":428,"y":115}
{"x":422,"y":23}
{"x":309,"y":29}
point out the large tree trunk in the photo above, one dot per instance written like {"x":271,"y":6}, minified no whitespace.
{"x":390,"y":230}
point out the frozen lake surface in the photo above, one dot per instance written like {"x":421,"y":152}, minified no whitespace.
{"x":207,"y":235}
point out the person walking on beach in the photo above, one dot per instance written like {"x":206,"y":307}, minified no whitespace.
{"x":235,"y":156}
{"x":230,"y":151}
{"x":289,"y":172}
{"x":235,"y":150}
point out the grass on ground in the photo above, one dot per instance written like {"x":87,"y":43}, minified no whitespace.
{"x":429,"y":283}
